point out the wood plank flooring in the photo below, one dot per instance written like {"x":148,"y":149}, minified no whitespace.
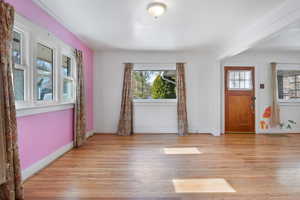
{"x":108,"y":167}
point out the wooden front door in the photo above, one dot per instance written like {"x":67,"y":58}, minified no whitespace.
{"x":239,"y":100}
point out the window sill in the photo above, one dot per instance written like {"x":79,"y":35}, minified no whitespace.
{"x":26,"y":110}
{"x":289,"y":103}
{"x":155,"y":101}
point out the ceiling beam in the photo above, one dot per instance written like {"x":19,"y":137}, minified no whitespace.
{"x":273,"y":22}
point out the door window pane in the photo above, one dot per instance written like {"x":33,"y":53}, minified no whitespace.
{"x":16,"y":48}
{"x":44,"y":64}
{"x":239,"y":80}
{"x":19,"y":84}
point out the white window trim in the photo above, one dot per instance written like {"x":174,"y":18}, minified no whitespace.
{"x":154,"y":67}
{"x":24,"y":63}
{"x":287,"y":67}
{"x":54,"y":74}
{"x":69,"y":53}
{"x":33,"y":34}
{"x":154,"y":101}
{"x":34,"y":109}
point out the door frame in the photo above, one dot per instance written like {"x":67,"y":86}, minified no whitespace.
{"x":237,"y":67}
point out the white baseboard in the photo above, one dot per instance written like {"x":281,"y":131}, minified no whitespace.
{"x":90,"y":133}
{"x":41,"y":164}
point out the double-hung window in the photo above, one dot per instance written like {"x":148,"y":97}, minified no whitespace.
{"x":44,"y":73}
{"x":43,"y":69}
{"x":67,"y":71}
{"x":19,"y":66}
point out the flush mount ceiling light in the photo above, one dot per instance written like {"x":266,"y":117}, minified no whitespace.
{"x":156,"y":9}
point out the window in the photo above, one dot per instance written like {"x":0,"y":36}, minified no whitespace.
{"x":68,"y":81}
{"x":44,"y":66}
{"x":43,"y":69}
{"x":288,"y":84}
{"x":16,"y":48}
{"x":150,"y":84}
{"x":18,"y":66}
{"x":240,"y":80}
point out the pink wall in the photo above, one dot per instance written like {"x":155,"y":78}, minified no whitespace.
{"x":41,"y":135}
{"x":36,"y":142}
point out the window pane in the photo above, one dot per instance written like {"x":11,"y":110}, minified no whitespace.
{"x":66,"y":66}
{"x":240,"y":79}
{"x":248,"y":84}
{"x":242,"y":75}
{"x":248,"y":75}
{"x":236,"y":76}
{"x":19,"y":84}
{"x":242,"y":84}
{"x":154,"y":84}
{"x":16,"y":48}
{"x":288,"y":84}
{"x":68,"y":89}
{"x":44,"y":73}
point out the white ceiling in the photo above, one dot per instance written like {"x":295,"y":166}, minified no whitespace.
{"x":188,"y":24}
{"x":287,"y":39}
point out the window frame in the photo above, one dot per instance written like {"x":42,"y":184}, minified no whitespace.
{"x":69,"y":53}
{"x":24,"y":65}
{"x":240,"y":89}
{"x":55,"y":90}
{"x":286,"y":67}
{"x":154,"y":67}
{"x":32,"y":35}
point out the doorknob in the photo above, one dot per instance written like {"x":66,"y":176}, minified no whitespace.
{"x":253,"y":98}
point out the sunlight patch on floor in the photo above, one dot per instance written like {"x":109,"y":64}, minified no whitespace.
{"x":182,"y":150}
{"x":205,"y":185}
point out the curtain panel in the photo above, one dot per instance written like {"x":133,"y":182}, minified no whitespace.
{"x":80,"y":110}
{"x":125,"y":126}
{"x":12,"y":189}
{"x":181,"y":101}
{"x":275,"y":114}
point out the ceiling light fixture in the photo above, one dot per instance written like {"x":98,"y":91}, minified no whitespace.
{"x":157,"y":9}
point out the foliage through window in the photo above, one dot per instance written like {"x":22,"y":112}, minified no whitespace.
{"x":288,"y":85}
{"x":147,"y":84}
{"x":44,"y":65}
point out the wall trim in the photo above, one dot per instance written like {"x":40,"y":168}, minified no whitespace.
{"x":89,"y":133}
{"x":41,"y":164}
{"x":34,"y":110}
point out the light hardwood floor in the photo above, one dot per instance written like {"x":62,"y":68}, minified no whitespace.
{"x":108,"y":167}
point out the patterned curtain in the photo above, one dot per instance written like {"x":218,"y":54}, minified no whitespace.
{"x":275,"y":114}
{"x":181,"y":101}
{"x":12,"y":189}
{"x":125,"y":127}
{"x":79,"y":112}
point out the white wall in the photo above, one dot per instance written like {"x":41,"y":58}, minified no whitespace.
{"x":155,"y":117}
{"x":261,"y":61}
{"x":202,"y":82}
